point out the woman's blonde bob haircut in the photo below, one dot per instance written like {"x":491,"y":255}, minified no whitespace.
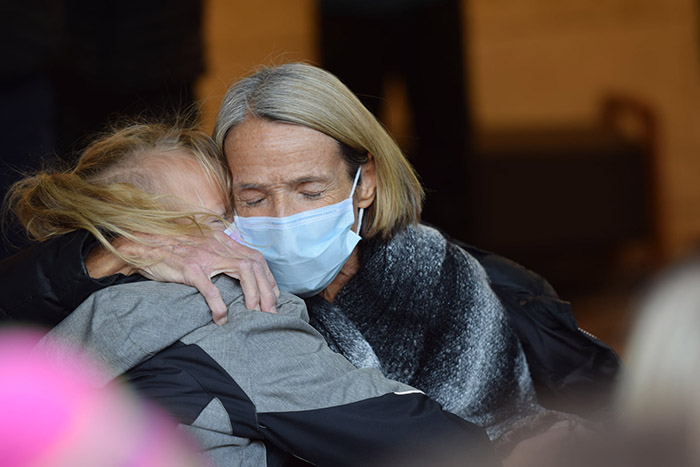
{"x":301,"y":94}
{"x":113,"y":191}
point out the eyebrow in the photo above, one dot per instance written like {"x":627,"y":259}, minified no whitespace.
{"x":296,"y":181}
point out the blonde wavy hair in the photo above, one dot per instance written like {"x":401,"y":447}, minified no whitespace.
{"x":301,"y":94}
{"x":113,"y":190}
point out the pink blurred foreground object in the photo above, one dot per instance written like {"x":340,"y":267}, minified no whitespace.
{"x":54,"y":413}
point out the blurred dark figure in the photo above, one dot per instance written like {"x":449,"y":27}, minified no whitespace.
{"x":364,"y":41}
{"x":29,"y":36}
{"x":71,"y":67}
{"x":125,"y":57}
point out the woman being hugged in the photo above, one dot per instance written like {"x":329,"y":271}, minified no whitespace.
{"x":101,"y":212}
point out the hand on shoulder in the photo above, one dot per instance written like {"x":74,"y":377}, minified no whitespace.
{"x":194,"y":260}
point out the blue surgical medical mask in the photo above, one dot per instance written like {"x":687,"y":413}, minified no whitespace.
{"x":307,"y":250}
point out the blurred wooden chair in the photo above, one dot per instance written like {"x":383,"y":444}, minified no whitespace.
{"x":566,"y":200}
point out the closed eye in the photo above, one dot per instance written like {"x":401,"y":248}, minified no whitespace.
{"x":250,"y":198}
{"x":214,"y":222}
{"x":249,"y":195}
{"x":312,"y":189}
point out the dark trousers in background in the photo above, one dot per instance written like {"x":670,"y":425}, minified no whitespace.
{"x":86,"y":108}
{"x":424,"y":45}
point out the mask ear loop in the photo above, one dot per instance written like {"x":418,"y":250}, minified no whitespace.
{"x":359,"y":220}
{"x":352,"y":192}
{"x":354,"y":183}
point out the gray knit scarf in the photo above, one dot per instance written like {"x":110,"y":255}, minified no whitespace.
{"x":422,"y":311}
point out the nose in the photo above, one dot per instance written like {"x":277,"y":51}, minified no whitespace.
{"x":283,"y":206}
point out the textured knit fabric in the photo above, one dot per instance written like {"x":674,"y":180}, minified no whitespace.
{"x":422,"y":311}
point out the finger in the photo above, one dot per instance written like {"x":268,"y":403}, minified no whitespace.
{"x":212,"y":296}
{"x":260,"y":289}
{"x":268,"y":290}
{"x":251,"y":291}
{"x":269,"y":278}
{"x":263,"y":270}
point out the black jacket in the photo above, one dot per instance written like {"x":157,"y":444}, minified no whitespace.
{"x":44,"y":283}
{"x":573,"y":371}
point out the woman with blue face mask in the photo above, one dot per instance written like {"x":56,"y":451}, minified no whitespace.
{"x":325,"y":194}
{"x":307,"y":250}
{"x":313,"y":172}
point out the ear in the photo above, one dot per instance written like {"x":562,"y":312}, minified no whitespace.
{"x":367,"y":190}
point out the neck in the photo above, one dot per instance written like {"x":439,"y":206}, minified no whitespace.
{"x":350,"y":268}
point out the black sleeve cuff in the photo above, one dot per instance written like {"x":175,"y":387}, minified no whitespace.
{"x":44,"y":283}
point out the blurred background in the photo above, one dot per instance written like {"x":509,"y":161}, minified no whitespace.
{"x":563,"y":135}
